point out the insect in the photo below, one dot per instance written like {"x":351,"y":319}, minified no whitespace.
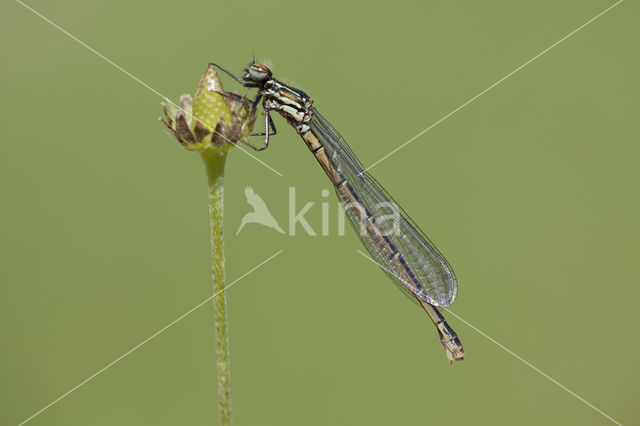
{"x":392,"y":238}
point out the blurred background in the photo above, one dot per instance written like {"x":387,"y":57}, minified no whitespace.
{"x":531,"y":192}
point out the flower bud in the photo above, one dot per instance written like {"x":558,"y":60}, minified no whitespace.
{"x":212,"y":119}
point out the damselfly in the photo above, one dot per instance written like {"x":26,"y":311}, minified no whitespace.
{"x":394,"y":241}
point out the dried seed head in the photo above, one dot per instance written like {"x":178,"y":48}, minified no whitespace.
{"x":212,"y":119}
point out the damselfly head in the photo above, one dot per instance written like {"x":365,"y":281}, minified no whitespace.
{"x":257,"y":73}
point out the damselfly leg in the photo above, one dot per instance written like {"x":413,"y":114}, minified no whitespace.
{"x":242,"y":99}
{"x":270,"y":127}
{"x":268,"y":123}
{"x":232,"y":75}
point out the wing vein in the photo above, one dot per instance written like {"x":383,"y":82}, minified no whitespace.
{"x":392,"y":238}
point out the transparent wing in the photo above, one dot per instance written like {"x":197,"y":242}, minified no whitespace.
{"x":433,"y":278}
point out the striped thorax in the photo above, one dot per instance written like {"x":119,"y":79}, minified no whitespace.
{"x":293,"y":104}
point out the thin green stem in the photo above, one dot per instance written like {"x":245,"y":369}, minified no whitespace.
{"x":214,"y":160}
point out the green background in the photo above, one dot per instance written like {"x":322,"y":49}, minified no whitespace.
{"x":531,"y":192}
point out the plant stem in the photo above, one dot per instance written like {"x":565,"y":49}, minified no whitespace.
{"x":214,"y":160}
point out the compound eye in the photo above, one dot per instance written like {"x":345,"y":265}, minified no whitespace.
{"x":258,"y":72}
